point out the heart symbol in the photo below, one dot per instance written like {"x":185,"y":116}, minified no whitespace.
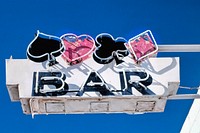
{"x":142,"y":46}
{"x":78,"y":48}
{"x":109,"y":49}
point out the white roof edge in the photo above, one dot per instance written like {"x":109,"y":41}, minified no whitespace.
{"x":192,"y":121}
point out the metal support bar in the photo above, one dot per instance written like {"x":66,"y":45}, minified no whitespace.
{"x":179,"y":48}
{"x":184,"y":96}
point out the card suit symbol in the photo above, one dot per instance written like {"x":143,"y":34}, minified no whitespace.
{"x":109,"y":49}
{"x":78,"y":48}
{"x":45,"y":48}
{"x":142,"y":46}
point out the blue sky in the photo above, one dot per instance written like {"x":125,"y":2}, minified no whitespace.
{"x":171,"y":21}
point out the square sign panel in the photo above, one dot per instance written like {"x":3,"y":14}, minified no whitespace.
{"x":142,"y":46}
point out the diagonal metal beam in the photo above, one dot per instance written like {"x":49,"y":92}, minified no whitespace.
{"x":184,"y":96}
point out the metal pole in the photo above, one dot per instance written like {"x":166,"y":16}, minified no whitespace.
{"x":179,"y":48}
{"x":184,"y":96}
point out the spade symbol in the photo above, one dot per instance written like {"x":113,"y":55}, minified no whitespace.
{"x":45,"y":48}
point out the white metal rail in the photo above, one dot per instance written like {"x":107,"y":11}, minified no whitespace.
{"x":179,"y":48}
{"x":184,"y":96}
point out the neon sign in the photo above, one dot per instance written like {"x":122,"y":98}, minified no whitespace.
{"x":76,"y":49}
